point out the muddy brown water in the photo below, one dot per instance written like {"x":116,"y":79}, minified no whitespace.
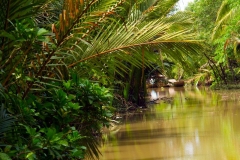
{"x":186,"y":124}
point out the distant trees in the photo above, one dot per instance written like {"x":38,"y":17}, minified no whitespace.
{"x":217,"y":24}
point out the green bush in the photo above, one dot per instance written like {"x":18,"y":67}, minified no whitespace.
{"x":58,"y":123}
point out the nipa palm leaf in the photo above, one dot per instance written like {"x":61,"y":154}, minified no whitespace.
{"x":6,"y":122}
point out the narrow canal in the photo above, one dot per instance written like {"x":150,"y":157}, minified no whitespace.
{"x":185,"y":124}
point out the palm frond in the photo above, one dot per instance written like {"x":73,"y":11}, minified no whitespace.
{"x":115,"y":40}
{"x":21,"y":9}
{"x":161,"y":9}
{"x":6,"y":122}
{"x":92,"y":145}
{"x":224,"y":14}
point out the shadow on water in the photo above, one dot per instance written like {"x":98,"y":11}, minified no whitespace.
{"x":181,"y":124}
{"x":128,"y":138}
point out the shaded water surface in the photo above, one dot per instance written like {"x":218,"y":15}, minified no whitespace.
{"x":186,"y":124}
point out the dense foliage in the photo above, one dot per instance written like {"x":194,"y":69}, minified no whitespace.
{"x":57,"y":123}
{"x":63,"y":61}
{"x":218,"y":25}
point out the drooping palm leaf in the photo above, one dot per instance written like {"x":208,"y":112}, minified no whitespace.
{"x":224,"y":14}
{"x":6,"y":122}
{"x":128,"y":39}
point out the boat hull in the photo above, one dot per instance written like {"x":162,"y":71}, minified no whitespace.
{"x":179,"y":84}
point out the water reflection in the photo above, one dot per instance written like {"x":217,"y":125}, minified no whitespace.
{"x":165,"y":92}
{"x":196,"y":124}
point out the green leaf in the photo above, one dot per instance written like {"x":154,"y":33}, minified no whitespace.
{"x":75,"y":136}
{"x":83,"y":147}
{"x":42,"y":31}
{"x":74,"y":106}
{"x":4,"y":156}
{"x":57,"y":137}
{"x":71,"y":97}
{"x":37,"y":142}
{"x":31,"y":156}
{"x":67,"y":84}
{"x":48,"y":105}
{"x":6,"y":34}
{"x":50,"y":133}
{"x":63,"y":142}
{"x":31,"y":131}
{"x":77,"y":153}
{"x":28,"y":78}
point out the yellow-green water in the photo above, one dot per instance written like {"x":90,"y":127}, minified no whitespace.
{"x":196,"y":124}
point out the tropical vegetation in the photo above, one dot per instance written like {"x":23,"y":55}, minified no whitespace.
{"x":65,"y":65}
{"x":217,"y":23}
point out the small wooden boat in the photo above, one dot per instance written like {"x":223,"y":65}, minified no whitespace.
{"x":179,"y":83}
{"x":167,"y":85}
